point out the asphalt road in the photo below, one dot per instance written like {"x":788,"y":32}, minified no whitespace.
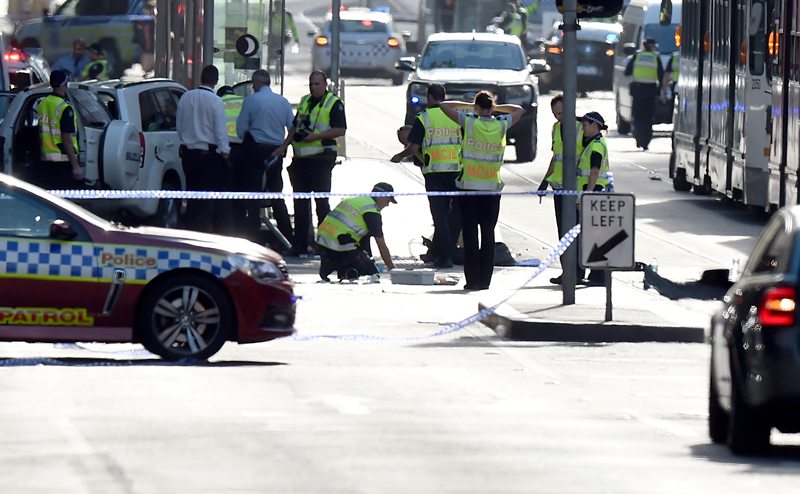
{"x":392,"y":410}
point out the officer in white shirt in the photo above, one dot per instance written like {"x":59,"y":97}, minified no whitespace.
{"x":205,"y":149}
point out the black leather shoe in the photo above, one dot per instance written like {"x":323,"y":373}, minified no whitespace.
{"x":556,"y":281}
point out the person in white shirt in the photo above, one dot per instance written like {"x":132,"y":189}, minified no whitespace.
{"x":205,"y":150}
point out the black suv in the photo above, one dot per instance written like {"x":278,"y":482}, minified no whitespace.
{"x":466,"y":63}
{"x":755,"y":340}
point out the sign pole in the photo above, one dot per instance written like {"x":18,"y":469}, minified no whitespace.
{"x":607,"y":276}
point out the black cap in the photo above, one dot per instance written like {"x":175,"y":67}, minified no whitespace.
{"x":95,"y":48}
{"x":651,"y":42}
{"x":384,"y":187}
{"x":225,"y":90}
{"x":58,"y":78}
{"x":596,"y":118}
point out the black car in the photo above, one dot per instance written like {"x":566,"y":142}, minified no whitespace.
{"x":755,"y":343}
{"x":467,"y":63}
{"x":596,"y":43}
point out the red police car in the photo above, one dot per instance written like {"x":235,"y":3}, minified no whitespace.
{"x":69,"y":276}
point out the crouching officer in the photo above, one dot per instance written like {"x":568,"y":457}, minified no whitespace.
{"x":343,"y":236}
{"x":58,"y":128}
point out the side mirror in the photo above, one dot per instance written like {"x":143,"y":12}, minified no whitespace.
{"x":538,"y":66}
{"x":665,"y":15}
{"x":62,"y":230}
{"x":311,"y":34}
{"x":406,"y":35}
{"x":629,"y":49}
{"x":405,"y":63}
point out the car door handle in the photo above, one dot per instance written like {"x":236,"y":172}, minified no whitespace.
{"x":91,"y":141}
{"x":170,"y":144}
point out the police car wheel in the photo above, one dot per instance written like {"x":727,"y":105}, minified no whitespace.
{"x":185,"y":316}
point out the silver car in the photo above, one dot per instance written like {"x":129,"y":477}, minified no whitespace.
{"x":369,"y":45}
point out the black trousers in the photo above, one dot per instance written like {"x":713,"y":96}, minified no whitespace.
{"x":446,"y":218}
{"x":479,"y":212}
{"x":55,"y":175}
{"x":250,"y":178}
{"x":207,"y":171}
{"x":348,"y":265}
{"x":310,"y":174}
{"x":644,"y":97}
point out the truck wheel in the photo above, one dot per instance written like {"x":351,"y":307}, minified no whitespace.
{"x":169,"y":210}
{"x":679,"y":181}
{"x":705,"y":189}
{"x":397,"y":80}
{"x":747,"y":433}
{"x":185,"y":316}
{"x":526,"y":142}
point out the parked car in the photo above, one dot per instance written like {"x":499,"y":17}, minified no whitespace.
{"x":466,"y":63}
{"x":370,"y":46}
{"x":66,"y":275}
{"x":597,"y":40}
{"x":26,"y":68}
{"x":126,"y":136}
{"x":754,"y":343}
{"x":640,"y":21}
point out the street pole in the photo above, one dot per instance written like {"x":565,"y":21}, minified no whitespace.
{"x":208,"y":32}
{"x":569,"y":260}
{"x":335,"y":46}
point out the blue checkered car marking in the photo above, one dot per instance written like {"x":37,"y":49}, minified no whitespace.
{"x":79,"y":260}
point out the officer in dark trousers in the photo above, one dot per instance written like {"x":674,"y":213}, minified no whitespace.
{"x":262,"y":125}
{"x":58,"y":131}
{"x":318,"y":122}
{"x":646,"y":69}
{"x":205,"y":151}
{"x":344,"y":234}
{"x":439,"y":139}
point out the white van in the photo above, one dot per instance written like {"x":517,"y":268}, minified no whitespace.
{"x":640,"y":21}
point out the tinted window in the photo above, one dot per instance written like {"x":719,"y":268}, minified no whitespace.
{"x":473,"y":54}
{"x":664,"y":36}
{"x":360,"y":26}
{"x":149,"y":112}
{"x":90,"y":111}
{"x":23,"y":216}
{"x":771,"y":252}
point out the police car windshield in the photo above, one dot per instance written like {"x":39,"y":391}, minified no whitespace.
{"x":472,"y":55}
{"x":664,"y":36}
{"x":360,"y":26}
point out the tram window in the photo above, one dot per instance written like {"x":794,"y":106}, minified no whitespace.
{"x":757,"y":30}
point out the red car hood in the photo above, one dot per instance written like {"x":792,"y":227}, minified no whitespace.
{"x":178,"y":239}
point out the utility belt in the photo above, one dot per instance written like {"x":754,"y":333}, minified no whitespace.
{"x":250,"y":141}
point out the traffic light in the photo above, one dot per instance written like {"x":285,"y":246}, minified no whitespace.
{"x":594,"y":8}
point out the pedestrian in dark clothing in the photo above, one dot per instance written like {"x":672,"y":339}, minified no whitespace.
{"x":646,"y":70}
{"x":205,"y":149}
{"x":447,"y":14}
{"x":58,"y":132}
{"x":482,"y":149}
{"x":318,"y":122}
{"x":262,"y":125}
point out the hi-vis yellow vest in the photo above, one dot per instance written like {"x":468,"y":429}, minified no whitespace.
{"x":645,"y":67}
{"x":599,"y":145}
{"x":50,"y":111}
{"x":102,"y":76}
{"x":556,"y":179}
{"x":442,"y":142}
{"x":482,"y":154}
{"x":346,"y":218}
{"x":676,"y":65}
{"x":318,"y":121}
{"x":233,"y":107}
{"x":515,"y":27}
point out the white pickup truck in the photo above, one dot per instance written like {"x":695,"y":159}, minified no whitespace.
{"x":127,"y":140}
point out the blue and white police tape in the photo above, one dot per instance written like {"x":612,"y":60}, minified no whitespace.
{"x":559,"y":250}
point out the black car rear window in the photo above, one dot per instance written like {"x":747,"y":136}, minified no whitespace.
{"x":472,"y":55}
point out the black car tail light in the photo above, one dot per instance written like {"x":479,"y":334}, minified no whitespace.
{"x":144,"y":146}
{"x":778,"y":307}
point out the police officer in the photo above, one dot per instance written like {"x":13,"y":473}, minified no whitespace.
{"x":58,"y":129}
{"x":439,"y":139}
{"x":646,"y":69}
{"x":670,"y":77}
{"x":205,"y":149}
{"x":593,"y":170}
{"x":98,"y":67}
{"x":343,"y":236}
{"x":262,"y":125}
{"x":554,"y":177}
{"x":511,"y":21}
{"x":318,"y":122}
{"x":482,"y":148}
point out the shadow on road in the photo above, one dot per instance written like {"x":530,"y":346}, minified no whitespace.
{"x":779,"y":459}
{"x":110,"y":362}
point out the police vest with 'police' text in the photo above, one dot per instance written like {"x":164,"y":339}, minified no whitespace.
{"x":482,"y":153}
{"x":441,"y":146}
